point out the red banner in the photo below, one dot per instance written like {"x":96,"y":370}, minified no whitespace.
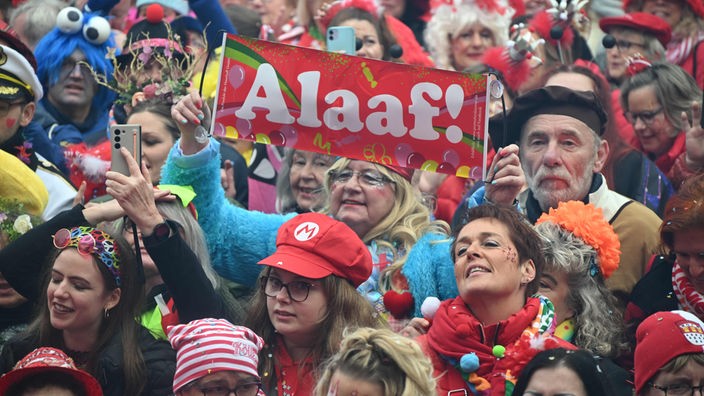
{"x":384,"y":112}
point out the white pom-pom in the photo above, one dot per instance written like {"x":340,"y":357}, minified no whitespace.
{"x":430,"y":307}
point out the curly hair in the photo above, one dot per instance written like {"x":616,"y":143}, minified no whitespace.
{"x":598,"y":323}
{"x":450,"y":21}
{"x":407,"y":221}
{"x":382,"y":357}
{"x":345,"y":308}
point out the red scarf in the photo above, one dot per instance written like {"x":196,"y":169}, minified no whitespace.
{"x":687,"y":296}
{"x":456,"y":332}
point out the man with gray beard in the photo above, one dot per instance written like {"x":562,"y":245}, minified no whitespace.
{"x":553,"y":145}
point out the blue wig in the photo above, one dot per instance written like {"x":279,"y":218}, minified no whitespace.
{"x":56,"y":46}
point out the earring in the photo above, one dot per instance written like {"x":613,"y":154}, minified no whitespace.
{"x":107,"y":313}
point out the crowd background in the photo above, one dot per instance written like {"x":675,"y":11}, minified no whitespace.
{"x":216,"y":265}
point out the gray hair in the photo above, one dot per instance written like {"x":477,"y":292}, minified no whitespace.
{"x":674,"y":89}
{"x":449,"y":21}
{"x":41,"y":18}
{"x":598,"y":323}
{"x":285,"y":201}
{"x":192,"y":234}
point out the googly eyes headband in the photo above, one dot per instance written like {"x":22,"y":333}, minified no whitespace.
{"x":88,"y":240}
{"x":96,"y":30}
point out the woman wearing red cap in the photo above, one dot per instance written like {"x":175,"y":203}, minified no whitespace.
{"x":410,"y":254}
{"x":307,"y":298}
{"x":686,"y":19}
{"x":669,"y":358}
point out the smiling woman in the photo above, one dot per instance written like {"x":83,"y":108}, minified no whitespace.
{"x":91,"y":296}
{"x":458,"y":34}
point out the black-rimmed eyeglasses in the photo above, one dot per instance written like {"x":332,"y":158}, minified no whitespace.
{"x":297,"y":290}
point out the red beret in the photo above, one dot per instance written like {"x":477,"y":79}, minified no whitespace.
{"x":641,"y":21}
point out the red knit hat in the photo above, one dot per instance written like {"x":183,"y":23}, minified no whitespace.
{"x":314,"y":246}
{"x":641,"y":21}
{"x":662,"y":337}
{"x":208,"y":346}
{"x":45,"y":360}
{"x":697,"y":6}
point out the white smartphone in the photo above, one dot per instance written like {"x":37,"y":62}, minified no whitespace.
{"x":341,"y":39}
{"x":128,"y":136}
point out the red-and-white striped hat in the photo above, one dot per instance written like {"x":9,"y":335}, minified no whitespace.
{"x":206,"y":346}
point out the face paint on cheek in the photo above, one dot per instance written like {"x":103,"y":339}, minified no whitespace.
{"x":10,"y":122}
{"x":511,"y":255}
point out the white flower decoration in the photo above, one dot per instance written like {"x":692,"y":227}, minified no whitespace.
{"x":22,"y":224}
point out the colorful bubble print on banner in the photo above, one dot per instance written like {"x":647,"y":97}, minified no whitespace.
{"x":384,"y":112}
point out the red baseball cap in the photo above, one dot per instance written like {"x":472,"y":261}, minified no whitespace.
{"x":43,"y":360}
{"x":662,"y":337}
{"x":641,"y":21}
{"x":314,"y":245}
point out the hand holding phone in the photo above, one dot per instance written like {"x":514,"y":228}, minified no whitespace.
{"x":341,"y":39}
{"x":128,"y":136}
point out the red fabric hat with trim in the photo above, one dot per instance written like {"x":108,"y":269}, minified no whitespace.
{"x":314,"y":245}
{"x":45,"y":360}
{"x":641,"y":21}
{"x":662,"y":337}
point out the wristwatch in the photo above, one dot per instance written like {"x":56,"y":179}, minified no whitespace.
{"x":161,"y":232}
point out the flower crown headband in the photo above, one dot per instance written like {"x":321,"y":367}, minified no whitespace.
{"x":88,"y":240}
{"x":587,"y":223}
{"x":177,"y":69}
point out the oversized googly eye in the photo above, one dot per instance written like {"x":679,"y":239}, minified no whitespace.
{"x":69,"y":20}
{"x":97,"y":30}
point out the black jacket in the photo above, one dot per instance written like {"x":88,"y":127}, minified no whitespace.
{"x":159,"y":360}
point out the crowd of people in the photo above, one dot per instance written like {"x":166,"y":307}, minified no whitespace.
{"x":216,"y":266}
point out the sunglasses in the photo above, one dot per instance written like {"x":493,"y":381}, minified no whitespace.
{"x":90,"y":241}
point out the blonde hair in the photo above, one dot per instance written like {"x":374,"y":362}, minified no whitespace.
{"x":382,"y":357}
{"x":401,"y":228}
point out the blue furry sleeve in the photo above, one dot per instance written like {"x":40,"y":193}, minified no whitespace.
{"x":237,"y":238}
{"x":430,"y":270}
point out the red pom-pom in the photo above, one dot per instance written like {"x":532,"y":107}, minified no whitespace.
{"x":514,"y":73}
{"x":155,"y":13}
{"x":400,"y":305}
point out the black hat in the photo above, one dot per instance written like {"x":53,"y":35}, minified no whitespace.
{"x":151,"y":34}
{"x":582,"y":105}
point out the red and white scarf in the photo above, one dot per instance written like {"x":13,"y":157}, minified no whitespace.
{"x":689,"y":298}
{"x":678,"y":50}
